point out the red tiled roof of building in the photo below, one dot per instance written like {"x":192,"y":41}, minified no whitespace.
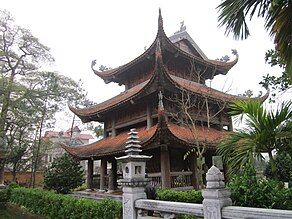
{"x":124,"y":96}
{"x":109,"y":145}
{"x":116,"y":145}
{"x":67,"y":134}
{"x":84,"y":136}
{"x":202,"y":134}
{"x":204,"y":90}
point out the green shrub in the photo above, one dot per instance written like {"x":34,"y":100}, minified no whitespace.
{"x":64,"y":174}
{"x":52,"y":205}
{"x":4,"y":196}
{"x":191,"y":196}
{"x":81,"y":188}
{"x":249,"y":191}
{"x":283,"y":164}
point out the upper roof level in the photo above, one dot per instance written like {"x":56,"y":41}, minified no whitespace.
{"x":180,"y":54}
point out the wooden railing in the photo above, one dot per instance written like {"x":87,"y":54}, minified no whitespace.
{"x":178,"y":179}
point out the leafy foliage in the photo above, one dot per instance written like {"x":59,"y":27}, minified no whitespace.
{"x":64,"y":174}
{"x":192,"y":196}
{"x":276,"y":84}
{"x":249,"y":191}
{"x":283,"y":164}
{"x":53,"y":205}
{"x":277,"y":15}
{"x":265,"y":132}
{"x":4,"y":197}
{"x":29,"y":97}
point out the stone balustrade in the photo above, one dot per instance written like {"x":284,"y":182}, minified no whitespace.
{"x":216,"y":203}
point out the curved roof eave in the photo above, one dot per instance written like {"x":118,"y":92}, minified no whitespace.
{"x":109,"y":75}
{"x":204,"y":90}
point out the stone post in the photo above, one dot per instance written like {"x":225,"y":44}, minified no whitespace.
{"x":134,"y":181}
{"x":216,"y":196}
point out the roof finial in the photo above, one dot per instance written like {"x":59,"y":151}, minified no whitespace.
{"x":160,"y":21}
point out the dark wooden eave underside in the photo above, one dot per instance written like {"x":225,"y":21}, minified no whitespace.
{"x":160,"y":78}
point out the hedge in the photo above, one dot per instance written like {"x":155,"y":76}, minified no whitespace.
{"x":52,"y":205}
{"x":191,"y":196}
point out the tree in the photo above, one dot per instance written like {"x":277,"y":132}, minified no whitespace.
{"x":265,"y":132}
{"x":64,"y":174}
{"x":277,"y":15}
{"x":283,"y":164}
{"x":276,"y":84}
{"x":195,"y":111}
{"x":49,"y":94}
{"x":20,"y":53}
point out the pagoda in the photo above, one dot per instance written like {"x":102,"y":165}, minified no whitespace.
{"x":168,"y":68}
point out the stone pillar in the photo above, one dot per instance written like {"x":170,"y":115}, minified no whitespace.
{"x":90,"y":174}
{"x":134,"y":181}
{"x":103,"y":171}
{"x":165,"y":167}
{"x":149,"y":118}
{"x":194,"y":169}
{"x":216,"y":196}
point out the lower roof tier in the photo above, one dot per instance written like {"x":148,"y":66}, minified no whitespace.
{"x":150,"y":138}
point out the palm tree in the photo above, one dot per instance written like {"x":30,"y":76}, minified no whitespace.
{"x":277,"y":15}
{"x":264,"y":132}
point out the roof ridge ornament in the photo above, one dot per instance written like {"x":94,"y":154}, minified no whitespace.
{"x":160,"y":101}
{"x":158,"y":54}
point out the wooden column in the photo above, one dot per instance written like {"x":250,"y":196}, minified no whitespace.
{"x":115,"y":173}
{"x":194,"y":169}
{"x":112,"y":184}
{"x":113,"y":128}
{"x":165,"y":167}
{"x":149,"y":118}
{"x":90,"y":173}
{"x":103,"y":170}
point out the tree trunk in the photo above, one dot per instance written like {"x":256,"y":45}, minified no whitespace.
{"x":38,"y":145}
{"x":3,"y":121}
{"x":273,"y":165}
{"x":1,"y":174}
{"x":33,"y":157}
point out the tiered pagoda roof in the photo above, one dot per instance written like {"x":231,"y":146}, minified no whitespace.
{"x":160,"y":77}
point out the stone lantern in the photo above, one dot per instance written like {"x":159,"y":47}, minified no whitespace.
{"x":134,"y":181}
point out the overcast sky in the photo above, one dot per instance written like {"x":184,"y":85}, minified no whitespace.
{"x":115,"y":32}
